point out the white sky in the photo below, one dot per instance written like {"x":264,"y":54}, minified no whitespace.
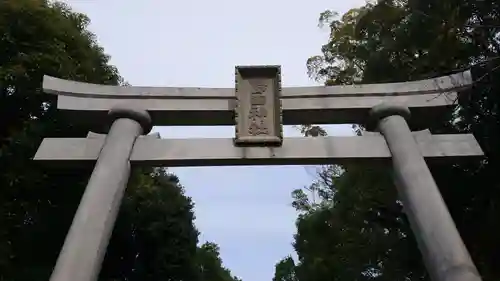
{"x":246,"y":210}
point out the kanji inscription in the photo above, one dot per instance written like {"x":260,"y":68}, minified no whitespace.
{"x":258,"y":109}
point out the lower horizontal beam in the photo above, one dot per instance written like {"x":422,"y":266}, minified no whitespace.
{"x":221,"y":152}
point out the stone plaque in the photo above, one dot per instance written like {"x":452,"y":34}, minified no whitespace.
{"x":258,"y":106}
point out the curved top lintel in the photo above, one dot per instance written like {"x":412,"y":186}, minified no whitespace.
{"x":449,"y":83}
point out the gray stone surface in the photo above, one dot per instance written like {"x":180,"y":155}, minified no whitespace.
{"x":85,"y":245}
{"x":326,"y":110}
{"x":295,"y":151}
{"x":444,"y":253}
{"x":453,"y":83}
{"x":258,"y":106}
{"x":301,"y":105}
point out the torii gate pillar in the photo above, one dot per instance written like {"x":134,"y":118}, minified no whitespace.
{"x":442,"y":248}
{"x":85,"y":245}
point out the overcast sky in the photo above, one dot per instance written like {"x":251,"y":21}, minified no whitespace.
{"x":246,"y":210}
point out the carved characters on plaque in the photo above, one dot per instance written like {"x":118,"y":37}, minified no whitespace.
{"x":258,"y":112}
{"x":258,"y":107}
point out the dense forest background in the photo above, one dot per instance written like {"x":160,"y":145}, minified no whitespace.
{"x":355,"y":229}
{"x":154,"y":238}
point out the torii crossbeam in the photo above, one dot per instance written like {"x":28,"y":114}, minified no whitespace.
{"x":258,"y":107}
{"x":153,"y":151}
{"x":301,"y":105}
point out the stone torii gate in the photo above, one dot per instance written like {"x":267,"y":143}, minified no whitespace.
{"x":258,"y":107}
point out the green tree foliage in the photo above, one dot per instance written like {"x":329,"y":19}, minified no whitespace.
{"x":37,"y":204}
{"x":154,"y":238}
{"x":356,"y":229}
{"x":285,"y":270}
{"x":210,"y":264}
